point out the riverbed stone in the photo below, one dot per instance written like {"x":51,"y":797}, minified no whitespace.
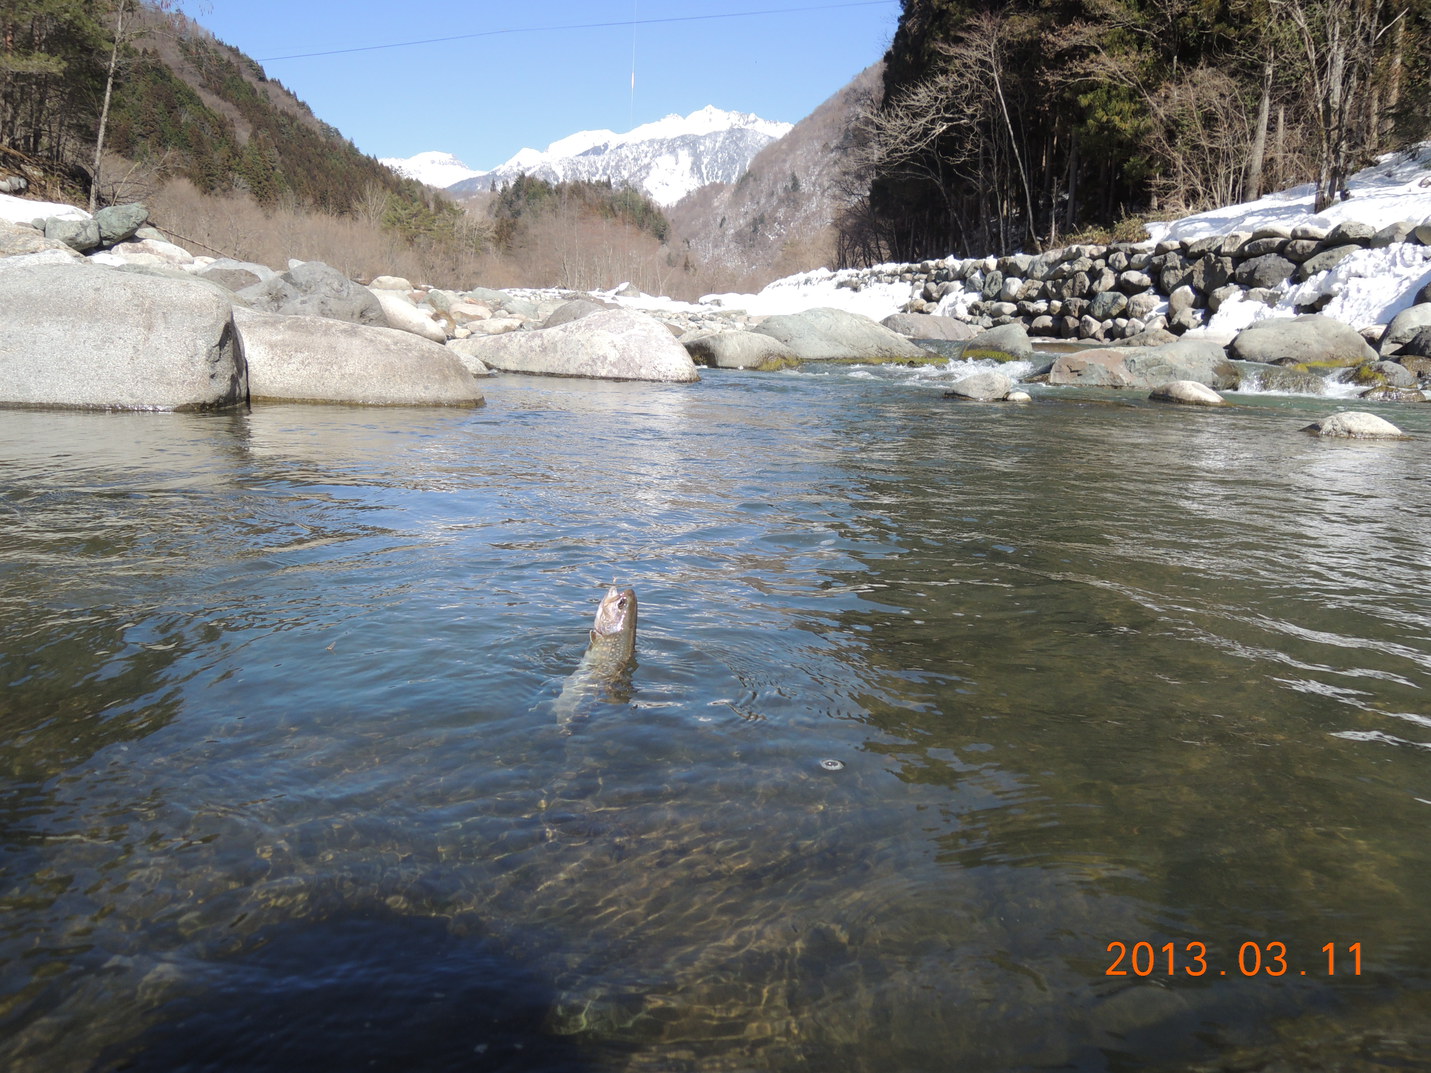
{"x":739,"y":350}
{"x":87,"y":336}
{"x":1355,"y":425}
{"x":573,"y":310}
{"x":986,"y":385}
{"x":19,"y":240}
{"x":1187,"y":393}
{"x":828,"y":334}
{"x":1324,"y":261}
{"x":615,"y":344}
{"x":312,"y":288}
{"x":302,"y":358}
{"x":1258,"y":376}
{"x":1307,"y":339}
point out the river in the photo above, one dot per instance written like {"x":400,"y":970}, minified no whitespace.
{"x":1084,"y":734}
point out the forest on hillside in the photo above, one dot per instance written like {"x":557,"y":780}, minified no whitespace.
{"x":1018,"y":125}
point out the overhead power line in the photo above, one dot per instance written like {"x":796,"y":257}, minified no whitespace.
{"x":580,"y":26}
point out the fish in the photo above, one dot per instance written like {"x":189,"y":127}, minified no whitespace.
{"x":605,"y":670}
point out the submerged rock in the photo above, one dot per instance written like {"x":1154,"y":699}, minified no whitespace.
{"x":1187,"y":393}
{"x":984,"y":386}
{"x":1355,"y":425}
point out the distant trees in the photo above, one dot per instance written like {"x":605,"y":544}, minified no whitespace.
{"x":1011,"y":125}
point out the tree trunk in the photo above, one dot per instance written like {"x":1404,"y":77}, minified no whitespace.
{"x":104,"y":109}
{"x":1259,"y":138}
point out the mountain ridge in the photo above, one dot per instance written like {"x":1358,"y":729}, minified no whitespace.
{"x":666,"y":159}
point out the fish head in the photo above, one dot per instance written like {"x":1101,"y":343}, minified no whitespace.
{"x":617,"y":613}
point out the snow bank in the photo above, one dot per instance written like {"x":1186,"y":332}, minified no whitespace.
{"x":23,"y":210}
{"x":1397,"y":187}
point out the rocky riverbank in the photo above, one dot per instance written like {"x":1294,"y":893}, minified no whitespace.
{"x":107,"y":313}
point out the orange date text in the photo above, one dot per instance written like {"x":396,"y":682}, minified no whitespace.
{"x":1252,"y":959}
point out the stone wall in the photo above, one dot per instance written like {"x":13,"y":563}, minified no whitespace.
{"x":1119,"y":291}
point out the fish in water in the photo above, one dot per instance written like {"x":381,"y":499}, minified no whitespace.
{"x":605,"y":670}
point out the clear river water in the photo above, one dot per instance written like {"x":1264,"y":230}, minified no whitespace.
{"x":1084,"y":734}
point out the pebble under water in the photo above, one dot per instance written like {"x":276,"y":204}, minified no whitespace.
{"x":1087,"y":734}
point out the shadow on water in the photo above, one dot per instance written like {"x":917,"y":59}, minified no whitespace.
{"x":373,"y":992}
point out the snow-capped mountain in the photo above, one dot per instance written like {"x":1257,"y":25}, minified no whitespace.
{"x":435,"y":169}
{"x":667,"y":159}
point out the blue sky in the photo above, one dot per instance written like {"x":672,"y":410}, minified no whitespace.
{"x":528,"y":80}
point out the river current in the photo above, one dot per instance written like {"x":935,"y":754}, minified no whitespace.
{"x":1083,"y":734}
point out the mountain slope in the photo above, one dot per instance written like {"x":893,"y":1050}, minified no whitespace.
{"x":778,"y":216}
{"x":433,"y":168}
{"x":666,"y":159}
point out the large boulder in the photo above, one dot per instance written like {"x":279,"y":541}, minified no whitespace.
{"x":615,"y":344}
{"x":739,"y":350}
{"x":118,"y":223}
{"x":84,"y":336}
{"x":1199,"y":360}
{"x":235,"y":275}
{"x":317,"y":359}
{"x":1310,"y":339}
{"x":81,"y":235}
{"x":827,"y":334}
{"x":928,"y":326}
{"x":312,"y":288}
{"x":573,"y":310}
{"x":1146,"y":367}
{"x":1008,"y":342}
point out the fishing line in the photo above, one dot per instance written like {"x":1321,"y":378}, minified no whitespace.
{"x":634,"y":22}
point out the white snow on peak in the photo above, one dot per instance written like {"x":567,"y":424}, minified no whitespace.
{"x":433,"y":168}
{"x":667,"y":158}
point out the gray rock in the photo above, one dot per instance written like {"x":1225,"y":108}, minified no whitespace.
{"x":1107,"y":304}
{"x":615,"y":344}
{"x":1392,"y":234}
{"x":1187,"y":393}
{"x":312,"y":288}
{"x":82,"y":336}
{"x":1404,"y":327}
{"x":1133,"y":281}
{"x":118,"y":223}
{"x":573,"y":310}
{"x":1262,"y":245}
{"x":18,"y":240}
{"x":401,"y":313}
{"x":1422,"y":232}
{"x":1385,"y":374}
{"x":1090,"y":368}
{"x":739,"y":350}
{"x":826,"y":334}
{"x":1256,"y":376}
{"x":928,"y":326}
{"x":1418,"y":346}
{"x":235,"y":275}
{"x":1310,"y":338}
{"x":987,"y":385}
{"x":1299,"y":249}
{"x":1325,"y":260}
{"x":1181,"y":299}
{"x":1008,"y":342}
{"x":79,"y":235}
{"x":1199,"y":360}
{"x":1353,"y":231}
{"x":1266,"y":271}
{"x":465,"y":350}
{"x":294,"y":357}
{"x":151,"y":234}
{"x":1355,"y":425}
